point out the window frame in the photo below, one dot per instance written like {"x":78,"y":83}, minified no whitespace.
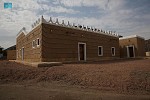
{"x":84,"y":51}
{"x":33,"y":44}
{"x":114,"y":51}
{"x":101,"y":51}
{"x":20,"y":53}
{"x":38,"y":41}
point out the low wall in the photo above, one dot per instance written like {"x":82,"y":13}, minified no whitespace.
{"x":148,"y":54}
{"x":11,"y":54}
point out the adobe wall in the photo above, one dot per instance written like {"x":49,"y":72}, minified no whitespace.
{"x":147,"y":54}
{"x":138,"y":46}
{"x":30,"y":54}
{"x":61,"y":44}
{"x":147,"y":45}
{"x":11,"y":54}
{"x":141,"y":47}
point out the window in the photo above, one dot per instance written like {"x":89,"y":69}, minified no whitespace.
{"x":113,"y":51}
{"x":100,"y":51}
{"x":38,"y":42}
{"x":33,"y":44}
{"x":20,"y":53}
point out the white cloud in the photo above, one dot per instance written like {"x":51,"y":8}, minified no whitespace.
{"x":23,"y":14}
{"x":103,"y":14}
{"x":70,"y":3}
{"x":7,"y":41}
{"x":28,"y":4}
{"x":13,"y":22}
{"x":78,"y":3}
{"x":102,"y":4}
{"x":60,"y":9}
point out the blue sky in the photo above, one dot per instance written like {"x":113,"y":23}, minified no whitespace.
{"x":126,"y":17}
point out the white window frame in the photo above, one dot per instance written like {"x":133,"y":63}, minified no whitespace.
{"x":79,"y":51}
{"x":114,"y":51}
{"x":128,"y":55}
{"x":33,"y":44}
{"x":20,"y":52}
{"x":101,"y":50}
{"x":38,"y":39}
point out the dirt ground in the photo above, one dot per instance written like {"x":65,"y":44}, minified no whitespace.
{"x":120,"y":79}
{"x":56,"y":91}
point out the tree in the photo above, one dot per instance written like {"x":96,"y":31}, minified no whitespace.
{"x":1,"y":49}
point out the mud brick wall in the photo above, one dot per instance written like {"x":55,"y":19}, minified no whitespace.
{"x":58,"y":43}
{"x":25,"y":41}
{"x":147,"y":45}
{"x":141,"y":47}
{"x":138,"y":46}
{"x":11,"y":54}
{"x":61,"y":44}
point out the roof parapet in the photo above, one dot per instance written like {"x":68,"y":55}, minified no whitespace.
{"x":57,"y":22}
{"x":23,"y":30}
{"x":131,"y":36}
{"x":63,"y":22}
{"x":80,"y":27}
{"x":50,"y":20}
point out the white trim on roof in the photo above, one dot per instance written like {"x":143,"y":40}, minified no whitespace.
{"x":131,"y":36}
{"x":42,"y":20}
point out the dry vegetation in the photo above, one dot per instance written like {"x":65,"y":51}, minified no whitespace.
{"x":122,"y":76}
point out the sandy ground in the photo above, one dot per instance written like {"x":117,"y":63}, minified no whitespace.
{"x":54,"y":91}
{"x":108,"y":80}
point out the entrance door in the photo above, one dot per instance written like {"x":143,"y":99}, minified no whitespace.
{"x":81,"y":51}
{"x":22,"y":53}
{"x":130,"y":51}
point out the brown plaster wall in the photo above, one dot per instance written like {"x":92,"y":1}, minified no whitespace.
{"x":138,"y":46}
{"x":11,"y":54}
{"x":61,"y":44}
{"x":141,"y":47}
{"x":147,"y":45}
{"x":30,"y":54}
